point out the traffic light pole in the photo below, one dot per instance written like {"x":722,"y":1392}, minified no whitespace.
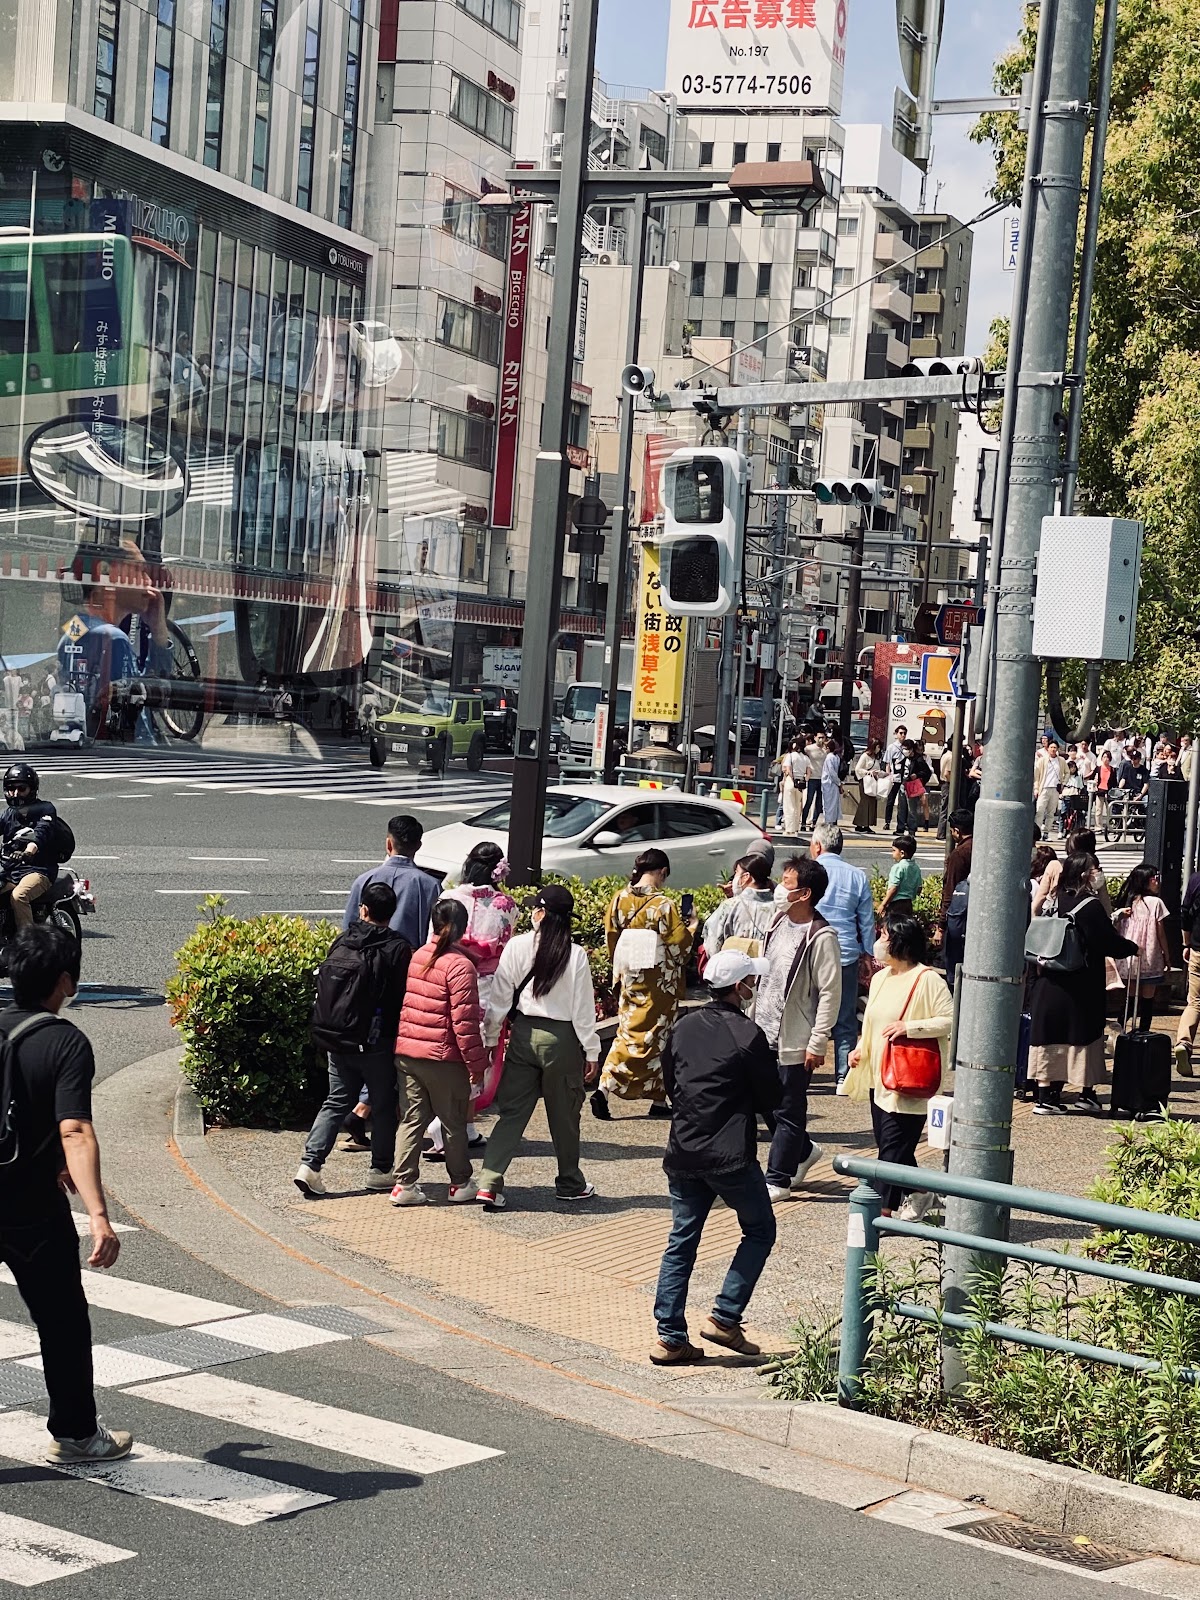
{"x":993,"y":968}
{"x":850,"y":647}
{"x":730,"y":625}
{"x":775,"y":686}
{"x":621,"y":540}
{"x":551,"y":479}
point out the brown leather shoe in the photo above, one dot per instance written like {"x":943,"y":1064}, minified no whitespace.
{"x":729,"y":1338}
{"x":675,"y":1355}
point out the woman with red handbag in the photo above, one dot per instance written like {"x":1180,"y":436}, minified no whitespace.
{"x":900,"y":1058}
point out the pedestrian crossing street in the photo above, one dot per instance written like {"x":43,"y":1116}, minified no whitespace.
{"x":172,"y":1368}
{"x":355,"y":782}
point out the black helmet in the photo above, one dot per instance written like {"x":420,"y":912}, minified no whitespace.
{"x":21,"y":776}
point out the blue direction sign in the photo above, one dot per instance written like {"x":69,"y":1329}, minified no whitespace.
{"x":952,"y":622}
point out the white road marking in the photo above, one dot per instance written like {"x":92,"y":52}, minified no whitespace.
{"x":95,"y":858}
{"x":31,"y":1553}
{"x":341,"y":893}
{"x":202,"y":891}
{"x":317,"y":911}
{"x":355,"y":861}
{"x":349,"y":1433}
{"x":265,"y":1332}
{"x":229,"y":858}
{"x":79,"y":1218}
{"x":113,"y":1368}
{"x":16,"y":1339}
{"x":145,"y":1300}
{"x":166,"y":1476}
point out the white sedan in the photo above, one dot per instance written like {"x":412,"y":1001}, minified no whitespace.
{"x":591,"y":830}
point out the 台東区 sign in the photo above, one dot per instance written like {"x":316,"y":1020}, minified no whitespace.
{"x":758,"y":55}
{"x":659,"y":649}
{"x":512,"y":355}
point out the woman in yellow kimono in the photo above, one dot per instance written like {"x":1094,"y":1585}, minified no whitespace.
{"x":649,"y":944}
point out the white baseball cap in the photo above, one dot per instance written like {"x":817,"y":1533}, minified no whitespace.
{"x":730,"y":967}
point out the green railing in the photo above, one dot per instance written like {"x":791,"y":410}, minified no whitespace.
{"x":866,"y":1225}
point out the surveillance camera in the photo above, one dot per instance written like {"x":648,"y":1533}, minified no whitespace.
{"x":637,"y":380}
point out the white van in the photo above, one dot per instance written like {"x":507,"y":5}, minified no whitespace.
{"x":831,"y":696}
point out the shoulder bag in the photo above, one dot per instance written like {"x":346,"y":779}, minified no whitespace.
{"x":911,"y":1067}
{"x":1055,"y":944}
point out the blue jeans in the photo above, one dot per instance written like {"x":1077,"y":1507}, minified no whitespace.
{"x":845,"y":1029}
{"x":348,"y":1071}
{"x":744,"y":1191}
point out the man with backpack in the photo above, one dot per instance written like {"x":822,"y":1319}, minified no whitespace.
{"x":29,"y":870}
{"x":47,"y":1146}
{"x":956,"y":888}
{"x":360,"y":989}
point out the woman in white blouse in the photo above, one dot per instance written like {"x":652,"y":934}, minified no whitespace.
{"x":543,"y":987}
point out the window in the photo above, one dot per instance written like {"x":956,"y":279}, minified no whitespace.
{"x":773,"y":151}
{"x":731,"y":278}
{"x":760,"y":331}
{"x":960,"y":251}
{"x":485,"y":113}
{"x":653,"y":143}
{"x":214,"y":109}
{"x":692,"y":821}
{"x":954,"y":339}
{"x":164,"y":69}
{"x":840,"y":326}
{"x":735,"y":213}
{"x":703,"y":208}
{"x":470,"y":440}
{"x":697,"y":286}
{"x":856,"y":458}
{"x":843,"y":277}
{"x":501,"y":16}
{"x":727,"y":329}
{"x":958,"y":294}
{"x":350,"y":114}
{"x":706,"y":152}
{"x":471,"y":329}
{"x":466,"y":219}
{"x":764,"y":278}
{"x":767,"y":219}
{"x":308,"y":104}
{"x":848,"y":227}
{"x":262,"y":95}
{"x":107,"y":26}
{"x":739,"y":152}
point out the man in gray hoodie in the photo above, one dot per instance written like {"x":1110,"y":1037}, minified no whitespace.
{"x":796,"y":1007}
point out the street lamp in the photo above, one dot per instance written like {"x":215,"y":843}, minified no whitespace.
{"x":770,"y":187}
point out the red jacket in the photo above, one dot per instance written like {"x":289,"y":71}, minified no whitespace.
{"x":441,"y":1017}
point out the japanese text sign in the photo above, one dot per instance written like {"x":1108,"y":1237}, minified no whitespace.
{"x":508,"y":422}
{"x":757,"y":54}
{"x":659,"y":650}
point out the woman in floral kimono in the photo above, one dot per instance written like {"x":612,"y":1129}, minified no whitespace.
{"x":649,"y":944}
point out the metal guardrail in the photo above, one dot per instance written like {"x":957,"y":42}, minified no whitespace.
{"x":859,"y":1303}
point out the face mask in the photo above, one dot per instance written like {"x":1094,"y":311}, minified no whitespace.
{"x":783,"y":895}
{"x":880,"y":952}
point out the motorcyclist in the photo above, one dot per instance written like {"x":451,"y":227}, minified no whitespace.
{"x":26,"y":871}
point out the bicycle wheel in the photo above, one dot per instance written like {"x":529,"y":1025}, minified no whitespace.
{"x":182,"y":722}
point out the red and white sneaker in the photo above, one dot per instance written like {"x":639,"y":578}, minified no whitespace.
{"x":491,"y":1199}
{"x":409,"y":1195}
{"x":461,"y":1194}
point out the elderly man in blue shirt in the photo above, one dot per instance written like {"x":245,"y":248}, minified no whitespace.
{"x":847,"y":906}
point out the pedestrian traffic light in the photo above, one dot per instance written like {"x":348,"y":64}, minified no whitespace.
{"x":941,"y":367}
{"x":818,"y":644}
{"x":847,"y":491}
{"x":704,"y":496}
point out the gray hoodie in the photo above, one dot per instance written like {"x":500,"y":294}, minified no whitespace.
{"x":814,"y":994}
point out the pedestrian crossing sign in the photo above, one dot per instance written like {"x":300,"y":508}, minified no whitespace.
{"x":75,"y":628}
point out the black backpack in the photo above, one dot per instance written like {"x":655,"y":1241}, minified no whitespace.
{"x":348,"y":989}
{"x":10,"y":1132}
{"x":921,"y":768}
{"x":64,"y":840}
{"x":956,"y":910}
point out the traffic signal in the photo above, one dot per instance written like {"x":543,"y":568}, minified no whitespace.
{"x":847,"y":491}
{"x":704,"y":496}
{"x":588,"y":516}
{"x":818,"y":644}
{"x":941,"y":367}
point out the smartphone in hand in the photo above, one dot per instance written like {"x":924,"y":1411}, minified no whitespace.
{"x":686,"y":901}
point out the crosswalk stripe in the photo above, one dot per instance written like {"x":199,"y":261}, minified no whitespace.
{"x":31,"y":1553}
{"x":166,"y":1476}
{"x":273,"y":1334}
{"x":113,"y":1368}
{"x":367,"y":1438}
{"x":79,"y":1218}
{"x":16,"y":1339}
{"x":146,"y":1300}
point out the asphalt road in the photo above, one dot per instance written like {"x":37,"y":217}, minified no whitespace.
{"x":558,"y":1509}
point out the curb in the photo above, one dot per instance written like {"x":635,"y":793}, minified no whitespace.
{"x":187,"y":1115}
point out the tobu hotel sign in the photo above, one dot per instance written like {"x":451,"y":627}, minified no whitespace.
{"x":508,"y":422}
{"x":757,"y":55}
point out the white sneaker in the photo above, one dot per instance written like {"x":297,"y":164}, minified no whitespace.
{"x":461,"y":1194}
{"x":806,"y":1166}
{"x":778,"y":1192}
{"x":309,"y":1181}
{"x":378,"y":1181}
{"x":840,"y":1087}
{"x":102,"y":1446}
{"x":409,"y":1195}
{"x":915,"y":1207}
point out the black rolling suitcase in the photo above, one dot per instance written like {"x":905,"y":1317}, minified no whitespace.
{"x":1141,"y":1076}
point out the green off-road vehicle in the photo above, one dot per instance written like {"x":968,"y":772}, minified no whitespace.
{"x":430,"y":727}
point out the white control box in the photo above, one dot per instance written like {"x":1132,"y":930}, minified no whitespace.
{"x":1088,"y":572}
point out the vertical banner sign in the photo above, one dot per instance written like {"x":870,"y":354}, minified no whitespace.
{"x":508,"y":425}
{"x":757,"y":55}
{"x":659,"y":651}
{"x":1011,"y":241}
{"x":599,"y":735}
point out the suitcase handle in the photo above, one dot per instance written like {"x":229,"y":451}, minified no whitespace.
{"x":1137,"y":992}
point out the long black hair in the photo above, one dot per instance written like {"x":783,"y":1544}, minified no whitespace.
{"x":1077,"y":873}
{"x":448,"y":922}
{"x":481,"y":862}
{"x":551,"y":951}
{"x":1137,"y":884}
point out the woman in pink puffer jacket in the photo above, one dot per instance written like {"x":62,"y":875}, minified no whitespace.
{"x":439,"y":1054}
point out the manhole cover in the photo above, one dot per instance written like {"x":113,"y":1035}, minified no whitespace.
{"x":1037,"y":1542}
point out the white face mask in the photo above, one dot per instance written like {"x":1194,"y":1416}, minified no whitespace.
{"x":880,"y":952}
{"x":783,"y":895}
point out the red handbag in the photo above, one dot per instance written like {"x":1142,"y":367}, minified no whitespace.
{"x":911,"y":1067}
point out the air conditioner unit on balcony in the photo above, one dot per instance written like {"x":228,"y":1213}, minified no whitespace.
{"x":605,"y":259}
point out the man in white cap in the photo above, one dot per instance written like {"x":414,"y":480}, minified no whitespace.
{"x":720,"y":1073}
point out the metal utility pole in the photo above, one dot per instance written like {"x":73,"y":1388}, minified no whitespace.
{"x":850,"y":648}
{"x":775,"y":683}
{"x":993,"y":969}
{"x":730,"y":653}
{"x":619,"y":539}
{"x":543,"y":594}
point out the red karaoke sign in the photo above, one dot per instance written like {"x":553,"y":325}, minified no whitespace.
{"x":508,"y":424}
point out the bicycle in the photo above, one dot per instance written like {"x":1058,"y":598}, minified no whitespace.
{"x":1126,"y":819}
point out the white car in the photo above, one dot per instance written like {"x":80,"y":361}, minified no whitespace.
{"x":592,"y":830}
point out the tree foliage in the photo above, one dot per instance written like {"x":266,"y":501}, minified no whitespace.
{"x":1140,"y":452}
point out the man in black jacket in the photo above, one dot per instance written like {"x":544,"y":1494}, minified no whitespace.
{"x":360,"y":989}
{"x":720,"y":1074}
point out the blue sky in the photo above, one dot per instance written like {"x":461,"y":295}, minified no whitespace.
{"x":632,"y":50}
